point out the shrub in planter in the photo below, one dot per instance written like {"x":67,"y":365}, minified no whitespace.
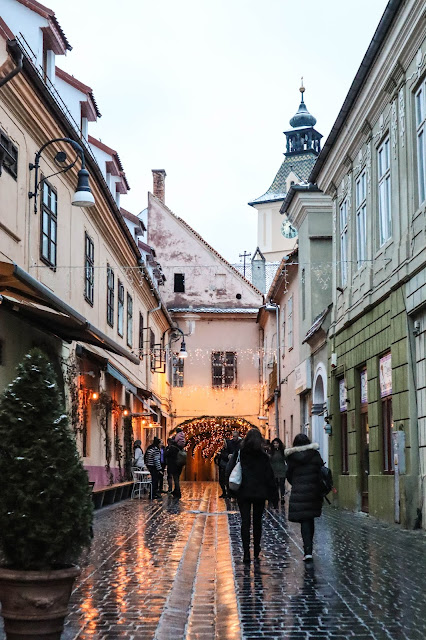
{"x":45,"y":504}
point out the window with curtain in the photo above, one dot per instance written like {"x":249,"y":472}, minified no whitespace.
{"x":344,"y":242}
{"x":290,"y":322}
{"x":110,"y":296}
{"x":129,"y":320}
{"x":421,"y":143}
{"x":120,"y":309}
{"x":385,"y":214}
{"x":361,"y":219}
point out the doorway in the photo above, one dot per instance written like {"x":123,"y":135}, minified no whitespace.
{"x":318,"y":432}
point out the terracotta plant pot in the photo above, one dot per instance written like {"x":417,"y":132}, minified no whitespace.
{"x":35,"y":603}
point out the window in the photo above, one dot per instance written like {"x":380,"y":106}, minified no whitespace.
{"x":283,"y":328}
{"x":120,"y":309}
{"x":110,"y":296}
{"x":179,"y":283}
{"x":344,"y":243}
{"x":303,"y":295}
{"x":224,"y":369}
{"x":361,"y":219}
{"x":365,"y":438}
{"x":387,"y":420}
{"x":178,"y":364}
{"x":344,"y":453}
{"x":8,"y":156}
{"x":129,"y":320}
{"x":49,"y":225}
{"x":141,"y":336}
{"x":290,"y":323}
{"x":385,"y":219}
{"x":89,"y":268}
{"x":421,"y":142}
{"x":385,"y":381}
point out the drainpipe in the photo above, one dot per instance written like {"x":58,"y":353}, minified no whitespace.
{"x":278,"y":388}
{"x":148,"y":359}
{"x":273,"y":306}
{"x":18,"y":57}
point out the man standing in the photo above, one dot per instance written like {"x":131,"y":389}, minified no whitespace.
{"x":153,"y":462}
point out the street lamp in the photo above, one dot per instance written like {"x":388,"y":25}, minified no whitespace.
{"x":174,"y":337}
{"x":83,"y":196}
{"x":182,"y":353}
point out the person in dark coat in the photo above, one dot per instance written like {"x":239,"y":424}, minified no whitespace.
{"x":303,"y":473}
{"x":232,"y":446}
{"x":257,"y":486}
{"x":279,"y":465}
{"x":174,"y":468}
{"x":153,"y":462}
{"x":221,"y":459}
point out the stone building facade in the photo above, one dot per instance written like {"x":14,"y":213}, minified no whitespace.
{"x":72,"y":279}
{"x":372,"y":168}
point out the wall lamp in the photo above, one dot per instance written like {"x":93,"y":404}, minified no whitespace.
{"x":174,"y":337}
{"x":83,"y":196}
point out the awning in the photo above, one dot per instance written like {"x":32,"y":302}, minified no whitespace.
{"x":31,"y":300}
{"x":115,"y":373}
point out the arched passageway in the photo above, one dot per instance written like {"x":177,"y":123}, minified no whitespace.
{"x":204,"y":438}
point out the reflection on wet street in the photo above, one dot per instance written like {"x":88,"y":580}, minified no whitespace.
{"x":173,"y":570}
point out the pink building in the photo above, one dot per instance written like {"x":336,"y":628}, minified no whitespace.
{"x":217,"y":386}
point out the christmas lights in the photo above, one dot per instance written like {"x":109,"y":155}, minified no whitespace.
{"x":209,"y":432}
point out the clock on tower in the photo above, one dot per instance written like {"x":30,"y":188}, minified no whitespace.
{"x":287,"y":230}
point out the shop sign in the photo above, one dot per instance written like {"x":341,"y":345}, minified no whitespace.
{"x":363,"y":383}
{"x":385,"y":375}
{"x":343,"y":394}
{"x":302,"y":375}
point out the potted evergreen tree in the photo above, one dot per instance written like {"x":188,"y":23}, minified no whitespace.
{"x":45,"y":504}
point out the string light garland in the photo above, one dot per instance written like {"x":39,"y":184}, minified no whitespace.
{"x":208,"y":433}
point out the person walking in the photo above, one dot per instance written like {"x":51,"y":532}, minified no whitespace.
{"x":303,"y":473}
{"x":257,"y":486}
{"x":221,"y":459}
{"x":169,"y":473}
{"x":279,"y":466}
{"x":232,"y":447}
{"x":174,"y":467}
{"x":153,"y":462}
{"x":138,"y":459}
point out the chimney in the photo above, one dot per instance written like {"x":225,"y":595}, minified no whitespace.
{"x":159,"y":176}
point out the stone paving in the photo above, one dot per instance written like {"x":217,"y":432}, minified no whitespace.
{"x":172,"y":570}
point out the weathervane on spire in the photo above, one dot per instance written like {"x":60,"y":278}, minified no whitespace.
{"x":302,"y":88}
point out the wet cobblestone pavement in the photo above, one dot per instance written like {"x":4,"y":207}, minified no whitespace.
{"x":172,"y":570}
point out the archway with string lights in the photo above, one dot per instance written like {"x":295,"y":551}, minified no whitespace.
{"x":204,"y":439}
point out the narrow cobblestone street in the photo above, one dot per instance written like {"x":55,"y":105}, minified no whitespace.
{"x":173,"y":570}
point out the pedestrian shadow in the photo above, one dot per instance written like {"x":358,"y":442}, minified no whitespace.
{"x":308,"y":606}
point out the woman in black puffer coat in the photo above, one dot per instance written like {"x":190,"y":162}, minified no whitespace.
{"x":303,"y":473}
{"x":257,"y":486}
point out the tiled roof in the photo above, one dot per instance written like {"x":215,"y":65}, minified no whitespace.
{"x":47,"y":13}
{"x":212,"y":310}
{"x":69,"y":79}
{"x":280,"y":272}
{"x":316,"y":324}
{"x":301,"y":164}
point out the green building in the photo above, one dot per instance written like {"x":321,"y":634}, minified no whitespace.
{"x":373,"y":166}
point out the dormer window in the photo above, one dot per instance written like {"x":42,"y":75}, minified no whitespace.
{"x":48,"y":64}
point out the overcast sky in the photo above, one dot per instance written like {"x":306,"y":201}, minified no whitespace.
{"x":205,"y":88}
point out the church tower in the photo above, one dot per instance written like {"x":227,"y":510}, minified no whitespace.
{"x":275,"y":235}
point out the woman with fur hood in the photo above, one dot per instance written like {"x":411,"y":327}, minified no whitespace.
{"x":303,"y":473}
